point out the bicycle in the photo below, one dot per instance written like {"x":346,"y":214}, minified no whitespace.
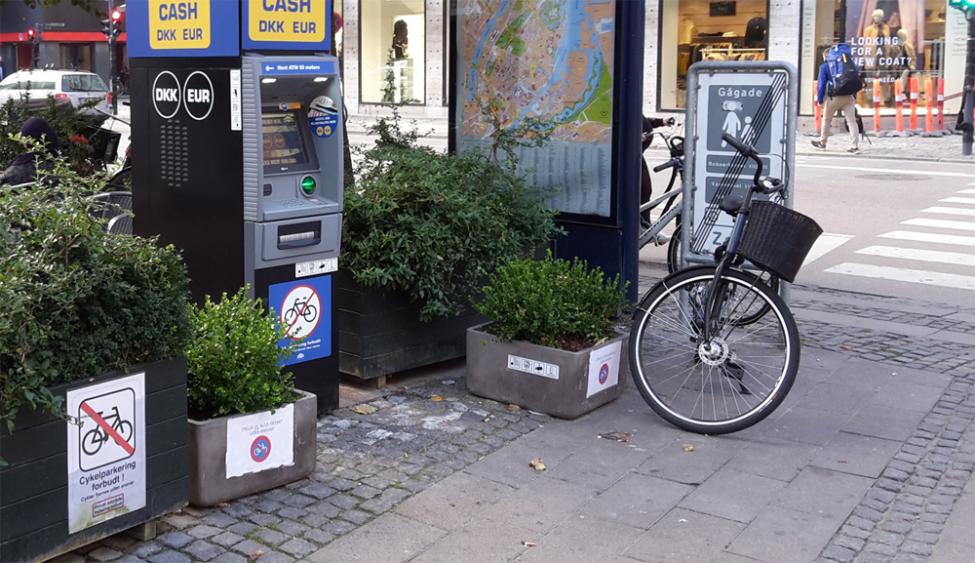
{"x":91,"y":442}
{"x":694,"y":358}
{"x":650,"y":231}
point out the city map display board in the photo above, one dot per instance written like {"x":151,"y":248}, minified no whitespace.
{"x":545,"y":59}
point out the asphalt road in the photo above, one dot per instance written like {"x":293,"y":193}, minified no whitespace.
{"x":892,"y":227}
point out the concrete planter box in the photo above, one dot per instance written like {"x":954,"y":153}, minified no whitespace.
{"x":209,"y":484}
{"x":561,"y":384}
{"x":34,"y":485}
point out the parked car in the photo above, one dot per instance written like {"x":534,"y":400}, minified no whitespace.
{"x":76,"y":88}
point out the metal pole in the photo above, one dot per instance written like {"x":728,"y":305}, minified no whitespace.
{"x":112,"y":71}
{"x":969,"y":101}
{"x":35,"y":48}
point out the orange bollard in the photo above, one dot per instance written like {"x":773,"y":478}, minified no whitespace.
{"x":915,"y":86}
{"x":876,"y":105}
{"x":899,"y":106}
{"x":941,"y":104}
{"x":929,"y":99}
{"x":817,"y":109}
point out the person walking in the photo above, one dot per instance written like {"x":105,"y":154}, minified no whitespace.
{"x":839,"y":81}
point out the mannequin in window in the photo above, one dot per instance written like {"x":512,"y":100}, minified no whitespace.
{"x":906,"y":56}
{"x":877,"y":39}
{"x":400,"y":40}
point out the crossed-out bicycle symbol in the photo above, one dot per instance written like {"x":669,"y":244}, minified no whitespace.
{"x":92,"y":441}
{"x":301,"y":308}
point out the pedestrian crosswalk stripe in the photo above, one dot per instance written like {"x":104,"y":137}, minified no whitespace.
{"x":905,"y":275}
{"x":941,"y":224}
{"x":893,"y":171}
{"x":950,"y":211}
{"x":930,"y":237}
{"x":968,"y":200}
{"x":826,"y":243}
{"x":954,"y":258}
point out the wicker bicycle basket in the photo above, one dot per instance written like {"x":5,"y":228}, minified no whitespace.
{"x":778,"y":239}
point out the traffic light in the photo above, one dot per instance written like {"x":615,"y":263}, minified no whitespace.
{"x":32,"y":36}
{"x":110,"y":26}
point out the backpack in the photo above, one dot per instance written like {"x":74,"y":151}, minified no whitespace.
{"x":844,"y":76}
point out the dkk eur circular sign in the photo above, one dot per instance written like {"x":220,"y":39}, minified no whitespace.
{"x":166,"y":94}
{"x":198,"y":95}
{"x":260,"y":448}
{"x":603,"y":373}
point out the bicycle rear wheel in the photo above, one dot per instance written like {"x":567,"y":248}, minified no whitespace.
{"x":729,"y":383}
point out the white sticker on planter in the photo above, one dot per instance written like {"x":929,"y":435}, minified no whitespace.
{"x":316,"y":267}
{"x":106,"y":451}
{"x":604,"y":368}
{"x":256,"y":442}
{"x":533,"y":367}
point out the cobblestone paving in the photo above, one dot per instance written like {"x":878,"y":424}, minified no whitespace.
{"x":367,"y":464}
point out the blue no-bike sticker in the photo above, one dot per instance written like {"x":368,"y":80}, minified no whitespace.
{"x":260,"y":448}
{"x":304,"y":309}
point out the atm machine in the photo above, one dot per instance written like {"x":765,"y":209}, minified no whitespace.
{"x":238,"y":163}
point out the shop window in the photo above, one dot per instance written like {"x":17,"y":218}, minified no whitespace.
{"x":892,"y":41}
{"x":76,"y":56}
{"x":702,"y":30}
{"x":392,"y":51}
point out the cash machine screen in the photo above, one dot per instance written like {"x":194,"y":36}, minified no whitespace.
{"x":285,"y":144}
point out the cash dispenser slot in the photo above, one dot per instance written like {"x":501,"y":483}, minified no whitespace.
{"x":299,"y":235}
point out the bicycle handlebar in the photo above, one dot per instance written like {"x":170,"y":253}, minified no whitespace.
{"x":751,"y":153}
{"x":661,"y":167}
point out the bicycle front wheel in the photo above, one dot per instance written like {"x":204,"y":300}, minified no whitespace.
{"x":724,"y":384}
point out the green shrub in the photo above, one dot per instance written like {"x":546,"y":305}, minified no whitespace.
{"x":77,"y":301}
{"x":435,"y":225}
{"x":552,"y":302}
{"x":234,"y":359}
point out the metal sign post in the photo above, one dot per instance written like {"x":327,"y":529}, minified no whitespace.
{"x":757,"y":102}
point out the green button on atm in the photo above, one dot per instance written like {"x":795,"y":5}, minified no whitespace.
{"x":308,"y":185}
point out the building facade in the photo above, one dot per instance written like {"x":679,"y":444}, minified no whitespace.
{"x":70,"y":38}
{"x":397,"y":50}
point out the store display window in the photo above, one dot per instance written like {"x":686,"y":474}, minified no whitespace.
{"x":392,"y":52}
{"x":707,"y":30}
{"x":892,"y":41}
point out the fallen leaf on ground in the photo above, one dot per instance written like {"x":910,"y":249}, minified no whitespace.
{"x":537,"y":464}
{"x":436,"y":398}
{"x":364,"y":409}
{"x":256,"y":555}
{"x":513,"y":408}
{"x":688,"y":447}
{"x":623,"y":437}
{"x":528,"y":543}
{"x":223,"y":504}
{"x":847,"y":347}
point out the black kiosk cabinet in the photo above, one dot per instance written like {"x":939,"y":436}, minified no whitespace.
{"x":238,"y":158}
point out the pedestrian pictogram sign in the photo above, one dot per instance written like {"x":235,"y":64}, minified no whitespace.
{"x":106,"y":451}
{"x":304,"y":310}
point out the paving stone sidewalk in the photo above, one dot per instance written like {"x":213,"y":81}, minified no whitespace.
{"x":865,"y":460}
{"x":371,"y":456}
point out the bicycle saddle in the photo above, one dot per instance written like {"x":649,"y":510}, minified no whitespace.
{"x":731,"y":203}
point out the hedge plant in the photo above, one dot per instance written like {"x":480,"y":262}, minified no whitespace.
{"x":555,"y":303}
{"x":77,"y":301}
{"x":435,"y":225}
{"x":234,"y":359}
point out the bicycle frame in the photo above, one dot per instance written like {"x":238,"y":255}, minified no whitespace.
{"x":715,"y":290}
